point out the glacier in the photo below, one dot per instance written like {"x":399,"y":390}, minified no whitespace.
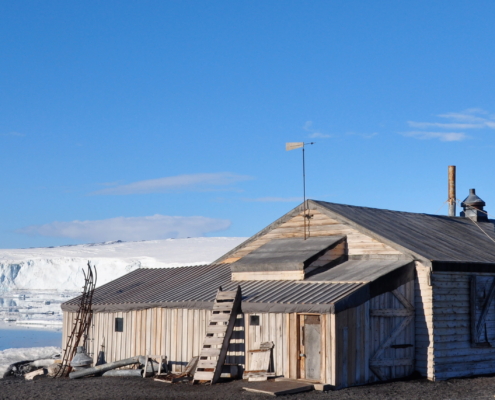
{"x":60,"y":268}
{"x":34,"y":282}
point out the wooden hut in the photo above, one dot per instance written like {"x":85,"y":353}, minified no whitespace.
{"x":369,"y":295}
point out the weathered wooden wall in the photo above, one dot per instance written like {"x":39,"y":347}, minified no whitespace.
{"x":179,"y":334}
{"x":283,"y":331}
{"x":176,"y":333}
{"x":320,"y":225}
{"x":424,"y":321}
{"x":360,"y":334}
{"x":350,"y":339}
{"x":273,"y":328}
{"x":453,"y":353}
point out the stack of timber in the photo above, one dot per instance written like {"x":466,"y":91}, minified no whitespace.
{"x":218,"y":333}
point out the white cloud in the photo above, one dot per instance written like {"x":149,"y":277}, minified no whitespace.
{"x":363,"y":135}
{"x":195,"y":182}
{"x":469,"y":115}
{"x":307,"y":126}
{"x":442,"y":136}
{"x":473,"y":118}
{"x":276,"y":199}
{"x":129,"y":228}
{"x":444,"y":126}
{"x":319,"y":135}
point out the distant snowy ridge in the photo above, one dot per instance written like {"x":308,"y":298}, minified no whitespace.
{"x":60,"y":268}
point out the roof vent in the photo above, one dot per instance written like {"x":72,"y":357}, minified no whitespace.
{"x":473,"y":207}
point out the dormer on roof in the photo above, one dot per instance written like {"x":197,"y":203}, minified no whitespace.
{"x":288,"y":259}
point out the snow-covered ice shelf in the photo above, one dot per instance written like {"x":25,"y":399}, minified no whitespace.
{"x":60,"y":268}
{"x":34,"y":282}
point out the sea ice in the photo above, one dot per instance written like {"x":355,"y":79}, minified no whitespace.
{"x":34,"y":282}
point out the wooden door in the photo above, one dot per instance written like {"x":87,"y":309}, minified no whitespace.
{"x":310,"y":347}
{"x":392,"y":333}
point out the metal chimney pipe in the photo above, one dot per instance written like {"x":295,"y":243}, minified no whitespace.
{"x":452,"y":198}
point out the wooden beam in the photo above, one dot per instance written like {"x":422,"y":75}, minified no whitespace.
{"x":378,"y":373}
{"x":398,"y":329}
{"x":391,"y":362}
{"x":472,"y":307}
{"x":484,"y":312}
{"x":391,"y":312}
{"x":268,"y":276}
{"x":407,"y":305}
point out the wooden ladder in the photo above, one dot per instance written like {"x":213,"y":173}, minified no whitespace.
{"x":218,"y":334}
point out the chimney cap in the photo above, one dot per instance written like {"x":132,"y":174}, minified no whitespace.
{"x":473,"y":200}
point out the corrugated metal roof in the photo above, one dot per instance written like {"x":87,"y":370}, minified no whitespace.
{"x":434,"y":237}
{"x":196,"y":287}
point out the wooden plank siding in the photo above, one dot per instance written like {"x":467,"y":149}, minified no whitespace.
{"x":349,"y":339}
{"x":320,"y":225}
{"x":179,"y":334}
{"x":424,"y":322}
{"x":67,"y":326}
{"x":449,"y":329}
{"x":356,"y":336}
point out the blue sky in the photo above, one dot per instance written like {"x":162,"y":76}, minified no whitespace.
{"x":151,"y":119}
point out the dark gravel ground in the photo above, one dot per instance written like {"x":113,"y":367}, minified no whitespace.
{"x":138,"y":388}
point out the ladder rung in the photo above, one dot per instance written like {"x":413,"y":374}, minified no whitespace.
{"x":220,"y":317}
{"x":216,"y":329}
{"x":213,"y":340}
{"x":207,"y":363}
{"x":226,"y":295}
{"x":209,"y":352}
{"x":203,"y":376}
{"x":223,"y":306}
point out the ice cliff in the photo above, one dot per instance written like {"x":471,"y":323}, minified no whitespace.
{"x":60,"y":268}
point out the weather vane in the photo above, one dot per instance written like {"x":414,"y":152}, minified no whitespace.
{"x":297,"y":145}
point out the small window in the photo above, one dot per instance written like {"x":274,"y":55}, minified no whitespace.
{"x":119,"y":324}
{"x":254,"y":320}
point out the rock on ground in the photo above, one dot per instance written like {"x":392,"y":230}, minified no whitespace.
{"x":138,"y":388}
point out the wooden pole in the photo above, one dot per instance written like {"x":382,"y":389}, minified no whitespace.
{"x":304,"y":194}
{"x":452,"y":198}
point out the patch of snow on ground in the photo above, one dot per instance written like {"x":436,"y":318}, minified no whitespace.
{"x":11,"y":356}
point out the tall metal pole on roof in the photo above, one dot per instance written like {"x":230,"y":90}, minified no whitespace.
{"x":293,"y":146}
{"x":451,"y":199}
